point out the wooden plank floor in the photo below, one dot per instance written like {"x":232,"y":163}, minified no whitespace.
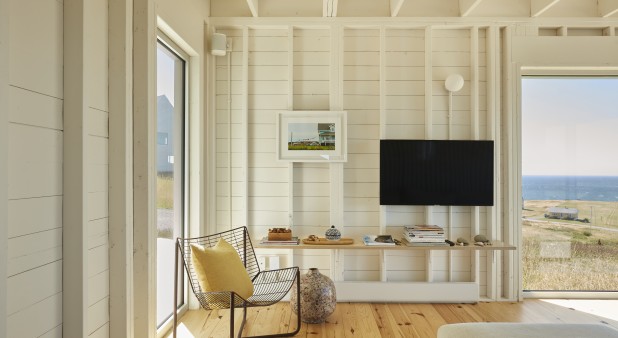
{"x":391,"y":319}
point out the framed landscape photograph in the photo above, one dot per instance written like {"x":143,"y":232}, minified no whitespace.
{"x":312,"y":136}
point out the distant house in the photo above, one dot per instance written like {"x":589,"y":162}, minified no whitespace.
{"x":562,"y":213}
{"x":326,"y":133}
{"x":165,"y":141}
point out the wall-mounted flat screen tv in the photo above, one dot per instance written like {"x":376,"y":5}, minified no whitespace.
{"x":436,"y":172}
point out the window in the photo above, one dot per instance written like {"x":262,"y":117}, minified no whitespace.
{"x":170,"y":167}
{"x":570,"y":183}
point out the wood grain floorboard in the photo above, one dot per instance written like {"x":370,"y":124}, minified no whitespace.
{"x":382,"y":319}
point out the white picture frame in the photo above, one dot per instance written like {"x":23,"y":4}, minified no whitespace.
{"x":312,"y":136}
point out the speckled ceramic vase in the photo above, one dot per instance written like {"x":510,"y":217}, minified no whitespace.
{"x":318,"y":297}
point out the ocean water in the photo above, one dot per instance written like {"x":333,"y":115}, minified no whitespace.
{"x":586,"y":188}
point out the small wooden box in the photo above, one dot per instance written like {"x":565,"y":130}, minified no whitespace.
{"x":280,"y":236}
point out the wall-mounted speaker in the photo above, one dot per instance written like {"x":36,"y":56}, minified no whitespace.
{"x":218,"y":44}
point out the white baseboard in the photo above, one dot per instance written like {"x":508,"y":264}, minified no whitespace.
{"x":415,"y":292}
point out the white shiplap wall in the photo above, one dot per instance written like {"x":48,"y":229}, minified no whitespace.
{"x":35,"y":170}
{"x":361,"y":99}
{"x":383,"y":88}
{"x":311,"y":71}
{"x":389,"y":77}
{"x":35,"y":136}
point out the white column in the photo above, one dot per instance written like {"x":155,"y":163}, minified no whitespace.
{"x":74,"y":234}
{"x":120,"y":168}
{"x":474,"y":130}
{"x":245,"y":126}
{"x":336,"y":169}
{"x":291,"y":164}
{"x":428,"y":133}
{"x":144,"y":120}
{"x":382,"y":253}
{"x":511,"y":282}
{"x":210,"y":219}
{"x":492,"y":48}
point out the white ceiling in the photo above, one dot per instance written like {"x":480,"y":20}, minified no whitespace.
{"x":416,"y":8}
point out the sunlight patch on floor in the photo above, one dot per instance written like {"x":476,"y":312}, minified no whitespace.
{"x":181,"y":332}
{"x":601,"y":308}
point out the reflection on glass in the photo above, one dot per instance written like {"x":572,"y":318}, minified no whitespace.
{"x":570,"y":184}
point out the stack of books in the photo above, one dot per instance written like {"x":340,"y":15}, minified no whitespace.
{"x":423,"y":235}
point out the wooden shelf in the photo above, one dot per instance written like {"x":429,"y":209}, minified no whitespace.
{"x":358,"y":245}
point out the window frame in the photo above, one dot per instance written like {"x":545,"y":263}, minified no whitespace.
{"x":172,"y":47}
{"x":549,"y":71}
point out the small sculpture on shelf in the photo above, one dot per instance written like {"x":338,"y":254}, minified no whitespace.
{"x":481,"y":240}
{"x":462,"y":241}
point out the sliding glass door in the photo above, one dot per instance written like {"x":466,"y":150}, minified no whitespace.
{"x":170,"y":166}
{"x":570,"y":183}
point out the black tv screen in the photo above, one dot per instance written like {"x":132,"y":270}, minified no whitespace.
{"x":436,"y":172}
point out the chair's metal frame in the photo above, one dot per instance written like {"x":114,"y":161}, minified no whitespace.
{"x":270,"y":286}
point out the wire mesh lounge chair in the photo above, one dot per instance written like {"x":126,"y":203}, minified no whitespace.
{"x":270,"y":286}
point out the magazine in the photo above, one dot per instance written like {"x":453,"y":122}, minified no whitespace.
{"x":293,"y":241}
{"x":385,"y":240}
{"x":405,"y":242}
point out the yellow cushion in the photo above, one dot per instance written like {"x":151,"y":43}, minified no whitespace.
{"x":220,"y":269}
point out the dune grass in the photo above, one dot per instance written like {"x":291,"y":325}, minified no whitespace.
{"x":590,"y":261}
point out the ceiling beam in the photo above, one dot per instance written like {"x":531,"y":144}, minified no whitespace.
{"x":607,"y":8}
{"x":253,"y":6}
{"x":467,"y":6}
{"x":538,"y":7}
{"x":395,"y":7}
{"x":329,"y":8}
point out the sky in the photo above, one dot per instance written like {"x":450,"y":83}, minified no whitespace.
{"x":303,"y":131}
{"x":165,"y":74}
{"x":570,"y":126}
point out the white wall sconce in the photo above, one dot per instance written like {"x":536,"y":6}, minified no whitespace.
{"x":218,"y":44}
{"x":453,"y":83}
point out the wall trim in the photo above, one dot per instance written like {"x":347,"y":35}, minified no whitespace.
{"x":408,"y":22}
{"x":4,"y":155}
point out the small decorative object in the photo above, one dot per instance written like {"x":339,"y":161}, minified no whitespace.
{"x":333,"y":234}
{"x":279,"y":234}
{"x":318,"y":297}
{"x":312,"y":238}
{"x":462,"y":241}
{"x":481,"y":239}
